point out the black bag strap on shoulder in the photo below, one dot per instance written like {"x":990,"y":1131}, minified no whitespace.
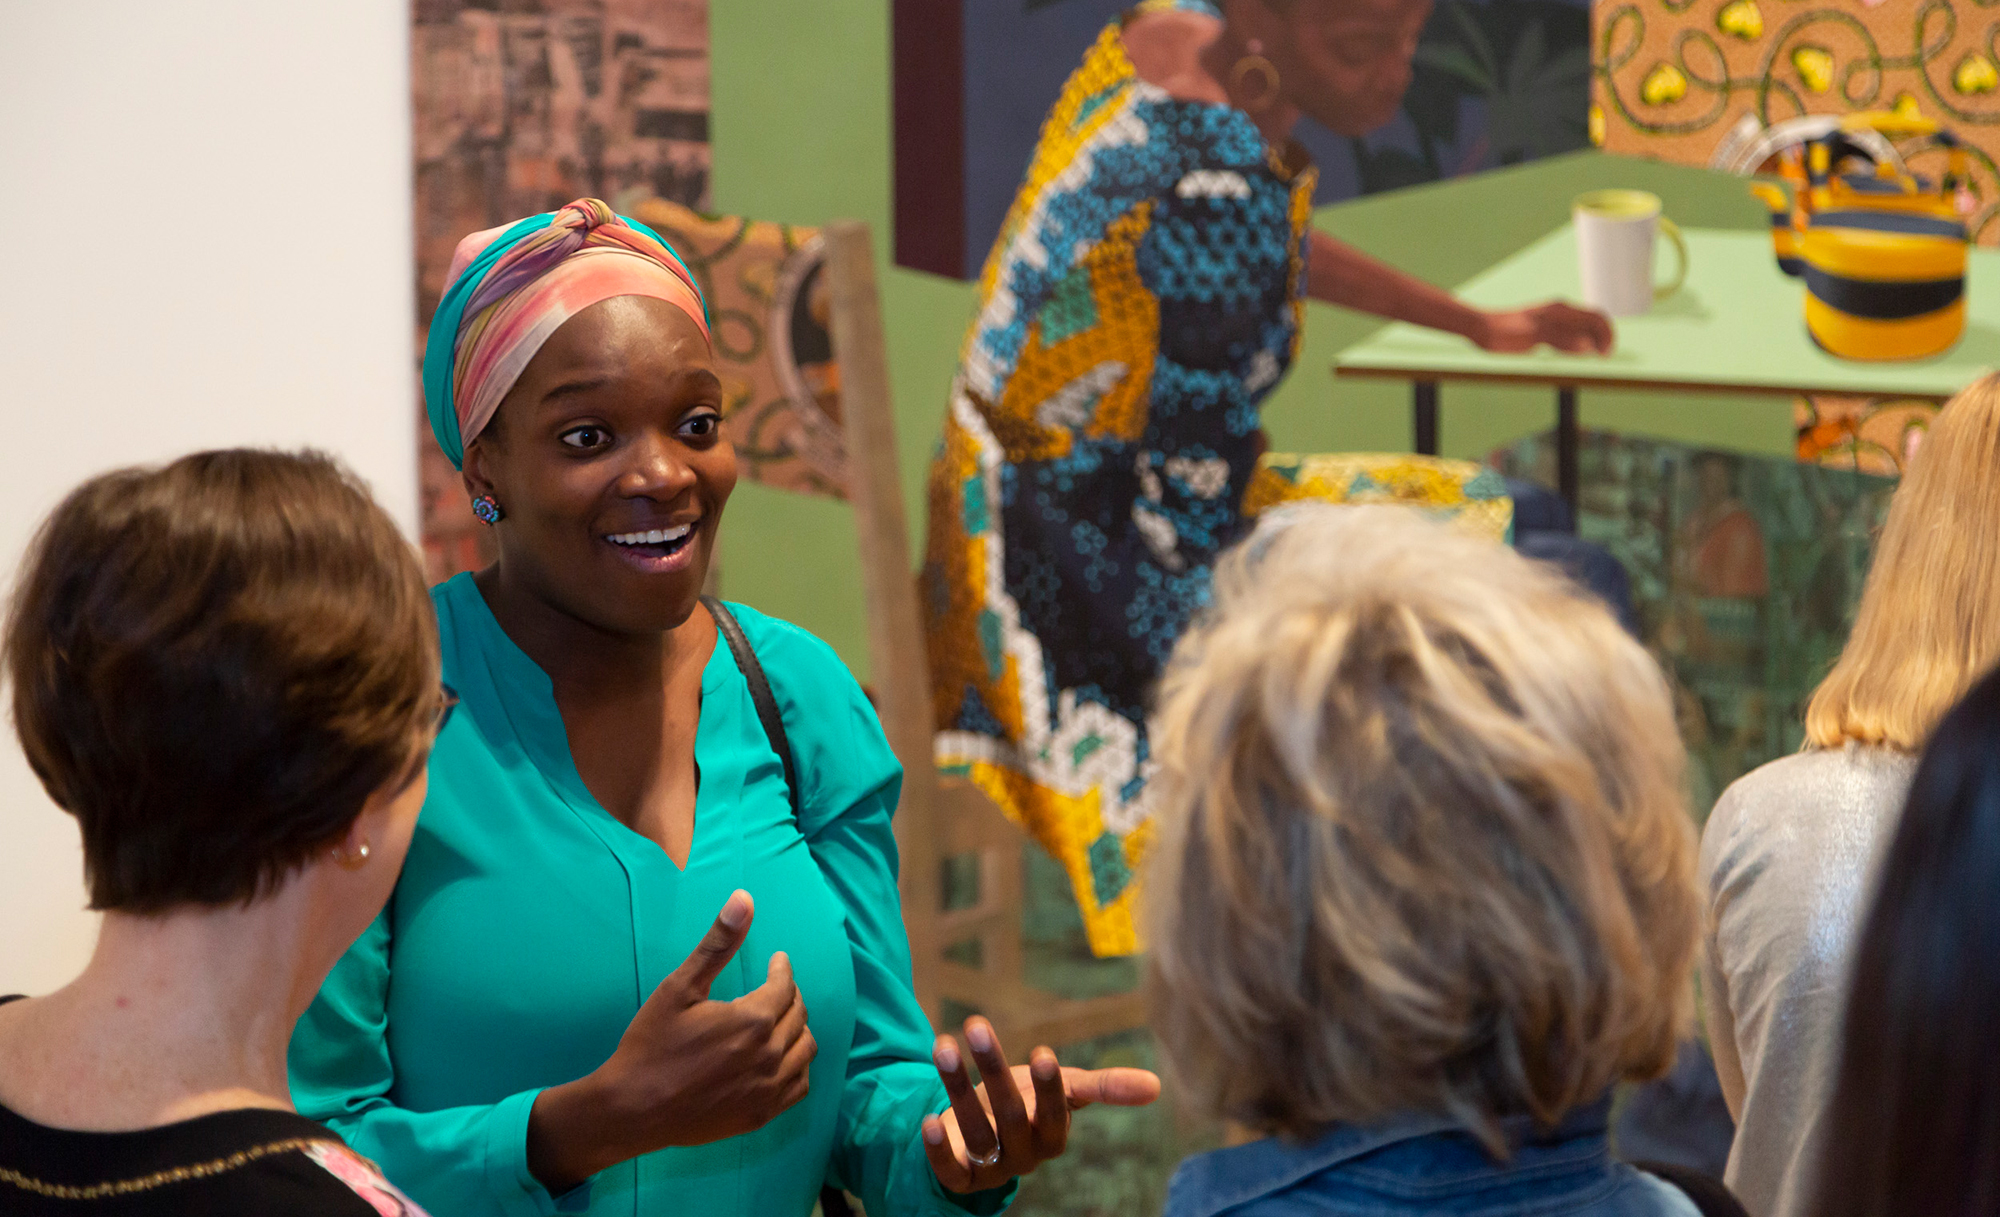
{"x":832,"y":1201}
{"x":760,"y":691}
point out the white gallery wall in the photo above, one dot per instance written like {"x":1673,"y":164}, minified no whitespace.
{"x":206,"y":207}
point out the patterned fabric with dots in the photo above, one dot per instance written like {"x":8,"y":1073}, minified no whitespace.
{"x":1144,"y":295}
{"x":1102,"y":448}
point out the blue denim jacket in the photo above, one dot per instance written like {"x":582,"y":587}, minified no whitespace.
{"x":1425,"y":1165}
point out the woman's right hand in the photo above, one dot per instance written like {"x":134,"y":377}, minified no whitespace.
{"x":1562,"y":326}
{"x":687,"y":1071}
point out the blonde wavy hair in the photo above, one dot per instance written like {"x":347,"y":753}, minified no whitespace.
{"x":1422,"y":838}
{"x":1929,"y":622}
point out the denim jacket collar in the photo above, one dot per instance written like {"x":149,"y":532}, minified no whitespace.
{"x":1213,"y":1183}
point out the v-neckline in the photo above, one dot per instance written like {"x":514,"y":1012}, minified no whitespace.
{"x":539,"y":729}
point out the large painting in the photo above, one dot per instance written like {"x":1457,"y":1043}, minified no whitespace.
{"x":1496,"y":82}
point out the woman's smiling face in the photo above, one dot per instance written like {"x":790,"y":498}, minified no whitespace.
{"x":609,"y":460}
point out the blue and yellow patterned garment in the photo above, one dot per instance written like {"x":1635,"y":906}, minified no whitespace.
{"x":1145,"y":293}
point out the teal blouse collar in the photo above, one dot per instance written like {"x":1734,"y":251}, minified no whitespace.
{"x":512,"y":701}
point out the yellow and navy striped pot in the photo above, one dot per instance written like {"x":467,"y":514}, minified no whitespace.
{"x":1784,"y":227}
{"x":1785,"y":243}
{"x":1916,"y":195}
{"x":1884,"y":284}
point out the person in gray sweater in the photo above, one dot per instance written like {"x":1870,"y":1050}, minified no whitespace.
{"x":1788,"y":855}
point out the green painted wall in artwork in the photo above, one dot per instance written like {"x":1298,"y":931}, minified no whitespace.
{"x":801,"y":134}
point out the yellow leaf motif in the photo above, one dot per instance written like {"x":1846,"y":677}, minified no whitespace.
{"x":1906,"y":106}
{"x":1596,"y":125}
{"x":1975,"y":74}
{"x":1815,"y":67}
{"x":1742,"y":19}
{"x":1663,"y":85}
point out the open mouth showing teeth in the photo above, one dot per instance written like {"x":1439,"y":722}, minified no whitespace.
{"x":656,"y":542}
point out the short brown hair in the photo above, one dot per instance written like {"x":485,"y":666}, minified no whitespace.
{"x":214,"y":664}
{"x":1929,"y":621}
{"x":1423,"y":845}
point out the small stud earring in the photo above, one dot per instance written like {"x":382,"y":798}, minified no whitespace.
{"x":487,"y":508}
{"x":353,"y":861}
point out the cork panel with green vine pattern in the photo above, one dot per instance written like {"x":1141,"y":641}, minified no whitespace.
{"x":1672,"y":77}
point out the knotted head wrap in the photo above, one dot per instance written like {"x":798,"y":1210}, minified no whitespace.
{"x":511,"y":287}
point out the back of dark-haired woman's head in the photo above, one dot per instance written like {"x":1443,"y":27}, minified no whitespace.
{"x":214,"y":664}
{"x":1915,"y":1127}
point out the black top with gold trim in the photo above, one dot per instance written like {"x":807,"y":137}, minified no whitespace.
{"x":251,"y":1160}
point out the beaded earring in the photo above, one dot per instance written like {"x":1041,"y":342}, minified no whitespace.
{"x":487,"y":508}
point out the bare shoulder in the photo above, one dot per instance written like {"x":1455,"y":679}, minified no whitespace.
{"x":14,"y":1047}
{"x":1165,"y":49}
{"x":29,"y":1058}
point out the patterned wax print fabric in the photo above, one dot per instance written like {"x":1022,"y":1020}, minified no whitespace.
{"x":1463,"y":494}
{"x":1144,"y":295}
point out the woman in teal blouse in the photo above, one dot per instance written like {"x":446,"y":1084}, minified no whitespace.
{"x":519,"y":1032}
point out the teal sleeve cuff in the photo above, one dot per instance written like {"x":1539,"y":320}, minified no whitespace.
{"x":917,"y":1189}
{"x":980,"y":1204}
{"x":508,"y":1178}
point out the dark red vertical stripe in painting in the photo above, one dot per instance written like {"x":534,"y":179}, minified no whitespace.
{"x":929,"y":87}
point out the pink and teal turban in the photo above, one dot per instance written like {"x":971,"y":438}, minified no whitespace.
{"x":511,"y":287}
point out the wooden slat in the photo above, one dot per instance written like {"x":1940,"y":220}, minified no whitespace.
{"x":961,"y":924}
{"x":1025,"y":1017}
{"x":1068,"y":1021}
{"x":895,"y":627}
{"x":967,"y":821}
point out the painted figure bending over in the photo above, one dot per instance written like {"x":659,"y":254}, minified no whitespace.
{"x":1144,"y":296}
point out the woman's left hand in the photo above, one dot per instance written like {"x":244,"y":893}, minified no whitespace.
{"x":993,"y":1133}
{"x":1563,"y":326}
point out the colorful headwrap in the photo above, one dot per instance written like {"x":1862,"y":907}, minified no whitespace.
{"x":511,"y":287}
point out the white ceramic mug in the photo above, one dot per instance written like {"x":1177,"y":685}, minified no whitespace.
{"x":1616,"y":231}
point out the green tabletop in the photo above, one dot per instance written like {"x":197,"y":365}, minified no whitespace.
{"x":1736,"y":325}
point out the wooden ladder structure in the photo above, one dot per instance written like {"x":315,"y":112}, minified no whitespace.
{"x":940,"y":819}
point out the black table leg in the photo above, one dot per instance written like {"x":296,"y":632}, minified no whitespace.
{"x":1424,"y":396}
{"x":1568,"y":440}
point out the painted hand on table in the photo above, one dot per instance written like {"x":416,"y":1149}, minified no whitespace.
{"x":688,"y":1070}
{"x":1563,"y":326}
{"x":990,"y":1135}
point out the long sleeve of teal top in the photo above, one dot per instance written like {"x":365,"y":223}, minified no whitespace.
{"x":529,"y":925}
